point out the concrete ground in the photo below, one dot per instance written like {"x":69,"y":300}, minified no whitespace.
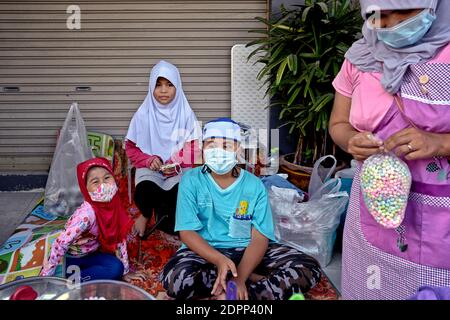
{"x":14,"y":207}
{"x":333,"y":270}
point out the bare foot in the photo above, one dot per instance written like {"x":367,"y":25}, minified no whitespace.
{"x":255,"y":277}
{"x":140,"y":225}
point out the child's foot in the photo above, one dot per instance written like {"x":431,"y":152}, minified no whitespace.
{"x":140,"y":225}
{"x":255,"y":277}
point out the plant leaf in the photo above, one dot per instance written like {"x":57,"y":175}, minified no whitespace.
{"x":281,"y":71}
{"x":323,"y":6}
{"x":294,"y":95}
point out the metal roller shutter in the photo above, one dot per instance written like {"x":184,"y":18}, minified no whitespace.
{"x":112,"y":54}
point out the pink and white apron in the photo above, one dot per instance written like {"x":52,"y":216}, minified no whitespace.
{"x":374,"y":266}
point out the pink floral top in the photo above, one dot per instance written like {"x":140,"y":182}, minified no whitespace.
{"x":80,"y":237}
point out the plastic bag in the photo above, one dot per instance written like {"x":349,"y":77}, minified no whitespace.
{"x":348,"y":173}
{"x":385,"y":184}
{"x":62,"y":193}
{"x":310,"y":226}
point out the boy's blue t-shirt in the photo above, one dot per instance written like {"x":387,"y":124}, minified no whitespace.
{"x":223,"y":217}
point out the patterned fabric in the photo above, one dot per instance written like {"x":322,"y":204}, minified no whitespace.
{"x":286,"y":271}
{"x":442,"y":202}
{"x":434,"y":91}
{"x":80,"y":238}
{"x":104,"y":193}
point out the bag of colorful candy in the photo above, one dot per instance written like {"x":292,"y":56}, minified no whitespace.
{"x":385,"y":184}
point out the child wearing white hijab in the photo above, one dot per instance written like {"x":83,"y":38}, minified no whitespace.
{"x":161,"y":143}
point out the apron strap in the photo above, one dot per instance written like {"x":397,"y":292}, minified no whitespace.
{"x":401,"y":108}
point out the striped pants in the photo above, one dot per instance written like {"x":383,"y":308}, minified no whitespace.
{"x":285,"y":270}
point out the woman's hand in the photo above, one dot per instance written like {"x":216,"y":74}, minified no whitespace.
{"x":364,"y":144}
{"x":156,"y":164}
{"x":223,"y":265}
{"x":138,"y":276}
{"x":416,"y":144}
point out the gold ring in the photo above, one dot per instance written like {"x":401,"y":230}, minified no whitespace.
{"x":410,"y":147}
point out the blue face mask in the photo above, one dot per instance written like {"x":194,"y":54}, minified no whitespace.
{"x":408,"y":32}
{"x":219,"y":160}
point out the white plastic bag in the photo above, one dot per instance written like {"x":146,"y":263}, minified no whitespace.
{"x":310,"y":226}
{"x":62,"y":193}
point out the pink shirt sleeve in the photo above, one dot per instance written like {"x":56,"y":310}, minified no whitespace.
{"x":344,"y":81}
{"x":369,"y":101}
{"x":138,"y":158}
{"x":122,"y":254}
{"x":79,"y":222}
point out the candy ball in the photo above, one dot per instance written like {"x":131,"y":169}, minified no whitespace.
{"x":385,"y":184}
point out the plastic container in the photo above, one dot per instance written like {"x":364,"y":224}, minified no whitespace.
{"x":105,"y":290}
{"x":47,"y":288}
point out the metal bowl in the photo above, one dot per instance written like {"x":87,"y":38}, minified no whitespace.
{"x":47,"y":288}
{"x":105,"y":290}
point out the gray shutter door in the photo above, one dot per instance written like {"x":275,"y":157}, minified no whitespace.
{"x":112,"y":55}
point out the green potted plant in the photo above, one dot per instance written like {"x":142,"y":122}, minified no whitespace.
{"x":302,"y":51}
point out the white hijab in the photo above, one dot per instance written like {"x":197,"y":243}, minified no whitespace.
{"x":163,"y":129}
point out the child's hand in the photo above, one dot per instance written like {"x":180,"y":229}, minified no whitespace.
{"x":242,"y":293}
{"x":138,"y":276}
{"x":156,"y":164}
{"x":168,"y":171}
{"x":363,"y":145}
{"x":139,"y":226}
{"x":223,"y":265}
{"x":45,"y":268}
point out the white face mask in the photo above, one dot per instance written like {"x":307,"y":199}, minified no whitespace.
{"x":220,"y":160}
{"x":408,"y":32}
{"x":104,"y":193}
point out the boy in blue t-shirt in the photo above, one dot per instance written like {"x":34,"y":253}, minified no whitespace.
{"x":225,"y":222}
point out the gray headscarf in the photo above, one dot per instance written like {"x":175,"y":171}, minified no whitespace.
{"x":371,"y":55}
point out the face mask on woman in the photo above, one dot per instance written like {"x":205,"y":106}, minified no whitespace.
{"x":104,"y":193}
{"x":408,"y":32}
{"x":220,"y":160}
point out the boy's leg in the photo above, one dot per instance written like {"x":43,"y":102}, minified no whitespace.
{"x":187,"y":275}
{"x":286,"y":271}
{"x":167,"y":205}
{"x":98,"y":266}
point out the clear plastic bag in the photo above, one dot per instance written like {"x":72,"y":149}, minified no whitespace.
{"x":62,"y":193}
{"x":310,"y":226}
{"x":385,"y":184}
